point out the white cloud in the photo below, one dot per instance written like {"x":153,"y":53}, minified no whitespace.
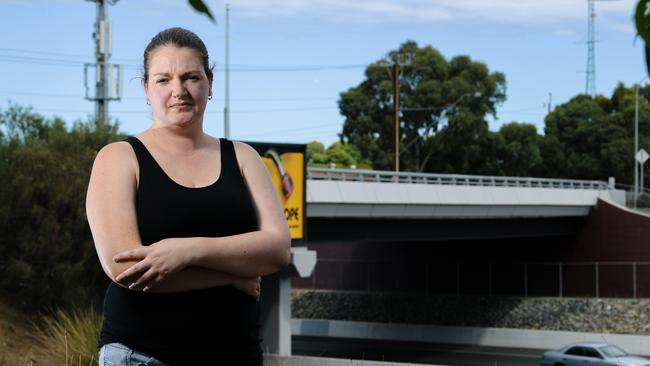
{"x":532,"y":12}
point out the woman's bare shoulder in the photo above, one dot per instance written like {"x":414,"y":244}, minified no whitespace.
{"x":245,"y":150}
{"x":116,"y":155}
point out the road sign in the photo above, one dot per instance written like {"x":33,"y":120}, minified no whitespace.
{"x":641,"y":156}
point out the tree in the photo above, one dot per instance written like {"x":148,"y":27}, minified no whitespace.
{"x":519,"y":152}
{"x":315,"y":152}
{"x":47,"y":257}
{"x":435,"y":94}
{"x":592,"y":138}
{"x":464,"y":146}
{"x":341,"y":154}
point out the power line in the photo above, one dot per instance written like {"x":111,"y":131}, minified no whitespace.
{"x":39,"y":61}
{"x":288,"y":99}
{"x":207,"y":112}
{"x":43,"y":53}
{"x":283,"y":110}
{"x":239,"y":68}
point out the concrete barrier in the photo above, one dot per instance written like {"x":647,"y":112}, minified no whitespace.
{"x":276,"y":360}
{"x":490,"y":337}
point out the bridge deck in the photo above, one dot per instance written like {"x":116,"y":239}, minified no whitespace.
{"x":371,"y":194}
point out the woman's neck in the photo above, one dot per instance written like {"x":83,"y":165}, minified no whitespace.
{"x":178,"y":140}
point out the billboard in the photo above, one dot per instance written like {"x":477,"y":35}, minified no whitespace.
{"x":286,"y":166}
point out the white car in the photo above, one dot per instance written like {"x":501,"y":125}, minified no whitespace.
{"x":591,"y":354}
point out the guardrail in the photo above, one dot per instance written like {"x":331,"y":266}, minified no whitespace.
{"x":378,"y":176}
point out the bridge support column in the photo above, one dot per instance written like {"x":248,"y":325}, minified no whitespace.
{"x":276,"y":301}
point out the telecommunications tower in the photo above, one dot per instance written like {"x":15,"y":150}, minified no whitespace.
{"x":107,"y":86}
{"x":591,"y":57}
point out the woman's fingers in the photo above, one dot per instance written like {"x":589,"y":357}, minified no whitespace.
{"x":144,"y":275}
{"x":132,"y":271}
{"x":132,"y":254}
{"x":250,"y":286}
{"x":145,"y":282}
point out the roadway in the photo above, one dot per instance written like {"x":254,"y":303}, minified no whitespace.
{"x":411,"y":352}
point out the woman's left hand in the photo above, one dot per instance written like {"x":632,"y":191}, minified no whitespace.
{"x":155,"y":262}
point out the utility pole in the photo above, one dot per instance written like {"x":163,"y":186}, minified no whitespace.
{"x":226,"y":108}
{"x":103,"y":69}
{"x":396,"y":116}
{"x":400,"y":60}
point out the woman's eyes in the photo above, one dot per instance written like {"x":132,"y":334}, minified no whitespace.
{"x":191,"y":77}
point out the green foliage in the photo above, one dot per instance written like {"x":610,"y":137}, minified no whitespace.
{"x":642,"y":22}
{"x":342,"y":155}
{"x":519,"y":151}
{"x":644,"y":200}
{"x":47,"y":256}
{"x":592,"y":138}
{"x":444,"y":130}
{"x":442,"y":102}
{"x":315,"y":148}
{"x":69,"y":338}
{"x":200,"y":6}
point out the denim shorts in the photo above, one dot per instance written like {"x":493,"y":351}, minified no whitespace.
{"x":117,"y":354}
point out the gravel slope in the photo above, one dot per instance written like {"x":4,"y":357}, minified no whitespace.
{"x":623,"y":316}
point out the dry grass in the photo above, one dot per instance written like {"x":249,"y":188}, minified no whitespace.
{"x":16,"y":338}
{"x":64,"y":339}
{"x":69,"y":338}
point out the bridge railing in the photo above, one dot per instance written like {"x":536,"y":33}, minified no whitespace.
{"x":378,"y":176}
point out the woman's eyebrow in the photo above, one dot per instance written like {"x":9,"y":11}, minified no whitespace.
{"x":183,"y":74}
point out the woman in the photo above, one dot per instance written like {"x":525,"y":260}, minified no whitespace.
{"x":184,"y":225}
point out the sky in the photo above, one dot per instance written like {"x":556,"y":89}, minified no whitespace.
{"x":291,"y":59}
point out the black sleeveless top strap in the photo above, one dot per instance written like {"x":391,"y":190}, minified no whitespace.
{"x":215,"y":326}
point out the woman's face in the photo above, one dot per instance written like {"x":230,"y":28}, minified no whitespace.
{"x":178,"y":87}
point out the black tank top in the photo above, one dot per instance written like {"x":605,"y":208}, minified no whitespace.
{"x":215,"y":326}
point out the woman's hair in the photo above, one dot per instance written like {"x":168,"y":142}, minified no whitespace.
{"x":178,"y":37}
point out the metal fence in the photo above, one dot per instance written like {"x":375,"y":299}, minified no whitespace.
{"x":598,"y":280}
{"x":354,"y":175}
{"x":527,"y":279}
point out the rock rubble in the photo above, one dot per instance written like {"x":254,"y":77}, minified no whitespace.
{"x":601,"y":315}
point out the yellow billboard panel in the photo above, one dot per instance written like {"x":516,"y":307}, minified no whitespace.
{"x":286,"y":166}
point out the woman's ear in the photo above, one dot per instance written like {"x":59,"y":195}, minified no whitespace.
{"x":146,"y":89}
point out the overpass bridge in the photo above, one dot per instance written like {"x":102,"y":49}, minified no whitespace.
{"x":365,"y":193}
{"x":381,"y":231}
{"x":362,"y":204}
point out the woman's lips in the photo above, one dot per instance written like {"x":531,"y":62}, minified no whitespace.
{"x":181,"y":105}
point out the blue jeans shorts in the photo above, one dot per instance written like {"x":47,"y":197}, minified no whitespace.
{"x":117,"y":354}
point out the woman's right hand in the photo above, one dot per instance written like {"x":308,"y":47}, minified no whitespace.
{"x":250,"y":286}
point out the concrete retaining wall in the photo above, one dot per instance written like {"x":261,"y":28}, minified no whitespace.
{"x":275,"y":360}
{"x":492,"y":337}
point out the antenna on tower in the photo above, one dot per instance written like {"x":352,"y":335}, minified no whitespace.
{"x":107,"y":87}
{"x":590,"y":87}
{"x":591,"y":57}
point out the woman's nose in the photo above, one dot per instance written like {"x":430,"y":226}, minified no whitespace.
{"x":178,"y":89}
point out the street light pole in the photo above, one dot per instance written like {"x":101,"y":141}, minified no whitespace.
{"x":636,"y":140}
{"x":396,"y":117}
{"x":636,"y":145}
